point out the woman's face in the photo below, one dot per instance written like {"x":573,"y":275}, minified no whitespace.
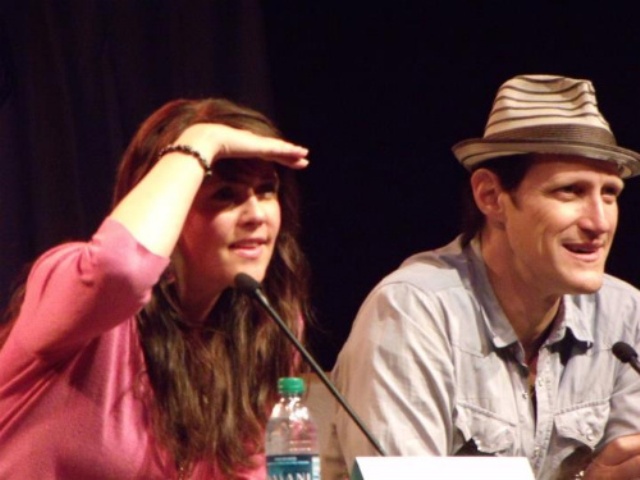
{"x":231,"y":228}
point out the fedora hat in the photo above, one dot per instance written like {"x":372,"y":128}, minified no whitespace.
{"x":547,"y":114}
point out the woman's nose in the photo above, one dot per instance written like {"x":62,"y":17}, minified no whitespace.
{"x":252,"y":210}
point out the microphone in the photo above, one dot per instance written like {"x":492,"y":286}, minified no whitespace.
{"x":626,"y":354}
{"x":247,"y":284}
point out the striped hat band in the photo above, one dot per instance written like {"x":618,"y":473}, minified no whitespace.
{"x":550,"y":115}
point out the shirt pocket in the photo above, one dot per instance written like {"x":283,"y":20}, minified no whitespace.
{"x":490,"y":434}
{"x":583,"y":425}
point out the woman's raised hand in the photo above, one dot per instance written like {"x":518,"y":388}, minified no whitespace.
{"x":154,"y":211}
{"x":216,"y":141}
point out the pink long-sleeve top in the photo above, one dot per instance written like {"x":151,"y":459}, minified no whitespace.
{"x":72,"y":370}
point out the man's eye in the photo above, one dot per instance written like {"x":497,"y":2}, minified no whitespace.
{"x":611,"y":193}
{"x":569,"y":190}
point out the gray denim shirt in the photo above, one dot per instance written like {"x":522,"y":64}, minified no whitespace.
{"x":433,"y":367}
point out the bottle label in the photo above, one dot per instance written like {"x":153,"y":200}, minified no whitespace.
{"x":293,"y":467}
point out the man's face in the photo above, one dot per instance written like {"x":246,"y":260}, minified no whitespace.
{"x":560,"y":223}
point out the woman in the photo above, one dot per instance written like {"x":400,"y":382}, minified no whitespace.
{"x":131,"y":356}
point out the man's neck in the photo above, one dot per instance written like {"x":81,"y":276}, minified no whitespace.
{"x":529,"y":312}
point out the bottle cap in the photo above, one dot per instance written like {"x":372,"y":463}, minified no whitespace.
{"x":291,"y":385}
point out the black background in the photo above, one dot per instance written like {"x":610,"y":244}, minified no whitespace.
{"x":378,"y":92}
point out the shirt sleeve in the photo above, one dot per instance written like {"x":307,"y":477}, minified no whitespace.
{"x":397,"y":373}
{"x":77,"y":291}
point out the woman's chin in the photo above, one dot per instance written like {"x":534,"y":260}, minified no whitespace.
{"x":257,"y":273}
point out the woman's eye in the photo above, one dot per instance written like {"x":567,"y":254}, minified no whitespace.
{"x":267,"y":190}
{"x":224,"y":194}
{"x":236,"y":194}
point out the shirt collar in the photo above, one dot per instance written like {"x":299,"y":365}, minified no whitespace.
{"x":499,"y":328}
{"x":572,"y":321}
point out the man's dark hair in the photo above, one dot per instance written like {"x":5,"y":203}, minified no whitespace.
{"x":510,"y":171}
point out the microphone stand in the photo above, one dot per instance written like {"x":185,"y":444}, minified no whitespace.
{"x":249,"y":285}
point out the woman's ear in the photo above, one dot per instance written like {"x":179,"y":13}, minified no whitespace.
{"x":487,"y":190}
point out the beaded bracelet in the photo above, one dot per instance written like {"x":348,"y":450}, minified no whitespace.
{"x":187,"y":150}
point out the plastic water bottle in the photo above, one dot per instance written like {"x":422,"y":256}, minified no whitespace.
{"x":292,"y":436}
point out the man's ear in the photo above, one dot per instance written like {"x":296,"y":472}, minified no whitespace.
{"x":487,"y":191}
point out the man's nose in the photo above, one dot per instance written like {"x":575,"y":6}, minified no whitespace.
{"x":598,"y":215}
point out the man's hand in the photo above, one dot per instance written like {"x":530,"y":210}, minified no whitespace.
{"x":619,"y":460}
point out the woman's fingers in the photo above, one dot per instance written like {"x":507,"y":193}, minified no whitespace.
{"x":220,"y":141}
{"x":242,"y":143}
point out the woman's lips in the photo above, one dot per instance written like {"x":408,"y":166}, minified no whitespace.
{"x":249,"y":248}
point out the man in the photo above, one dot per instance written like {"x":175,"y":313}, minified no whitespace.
{"x":500,"y":343}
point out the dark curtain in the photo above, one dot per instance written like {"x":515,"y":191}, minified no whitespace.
{"x":379,"y":92}
{"x":76,"y":79}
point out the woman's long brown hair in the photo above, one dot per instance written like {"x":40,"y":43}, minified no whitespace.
{"x":214,"y":385}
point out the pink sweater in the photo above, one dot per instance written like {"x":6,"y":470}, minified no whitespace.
{"x":72,"y":368}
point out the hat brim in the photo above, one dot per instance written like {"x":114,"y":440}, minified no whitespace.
{"x":472,"y":152}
